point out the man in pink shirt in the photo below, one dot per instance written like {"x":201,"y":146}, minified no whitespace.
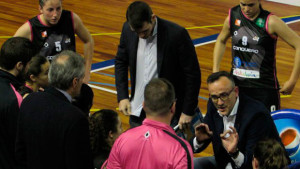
{"x":153,"y":144}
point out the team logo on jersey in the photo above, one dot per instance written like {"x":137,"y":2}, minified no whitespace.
{"x":260,"y":22}
{"x":237,"y":22}
{"x":237,"y":62}
{"x":256,"y":38}
{"x":68,"y":40}
{"x":44,"y":34}
{"x":147,"y":134}
{"x":46,"y":44}
{"x":235,"y":33}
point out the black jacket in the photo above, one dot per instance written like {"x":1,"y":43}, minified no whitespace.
{"x":9,"y":113}
{"x":52,"y":133}
{"x":253,"y":122}
{"x":176,"y":61}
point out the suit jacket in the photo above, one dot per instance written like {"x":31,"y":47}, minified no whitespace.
{"x":253,"y":123}
{"x":176,"y":61}
{"x":52,"y":133}
{"x":9,"y":114}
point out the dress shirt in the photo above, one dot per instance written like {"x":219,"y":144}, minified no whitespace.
{"x":68,"y":96}
{"x":227,"y":121}
{"x":146,"y":69}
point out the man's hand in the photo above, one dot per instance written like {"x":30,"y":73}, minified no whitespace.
{"x":184,"y":120}
{"x":287,"y":88}
{"x":124,"y":106}
{"x":202,"y":132}
{"x":230,"y":139}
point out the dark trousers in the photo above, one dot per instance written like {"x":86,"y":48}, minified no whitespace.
{"x":135,"y":121}
{"x":205,"y":163}
{"x":270,"y":97}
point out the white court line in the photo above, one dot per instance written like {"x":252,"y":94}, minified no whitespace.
{"x":102,"y":88}
{"x":103,"y":68}
{"x":205,"y":43}
{"x":293,"y":21}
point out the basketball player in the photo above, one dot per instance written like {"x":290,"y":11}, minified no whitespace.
{"x":53,"y":31}
{"x":254,"y":33}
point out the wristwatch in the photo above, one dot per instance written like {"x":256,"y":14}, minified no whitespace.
{"x":235,"y":154}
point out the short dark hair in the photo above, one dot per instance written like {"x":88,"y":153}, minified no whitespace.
{"x":14,"y":50}
{"x":137,"y":13}
{"x":61,"y":74}
{"x":270,"y":154}
{"x":101,"y":122}
{"x":35,"y":66}
{"x":217,"y":75}
{"x":159,"y":96}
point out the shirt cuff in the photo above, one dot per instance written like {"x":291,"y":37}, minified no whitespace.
{"x":196,"y":144}
{"x":239,"y":160}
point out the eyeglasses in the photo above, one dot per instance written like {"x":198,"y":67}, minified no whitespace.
{"x":223,"y":96}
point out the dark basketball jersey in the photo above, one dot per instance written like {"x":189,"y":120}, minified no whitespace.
{"x":51,"y":40}
{"x":253,"y":50}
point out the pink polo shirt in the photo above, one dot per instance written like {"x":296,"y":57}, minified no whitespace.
{"x":154,"y":145}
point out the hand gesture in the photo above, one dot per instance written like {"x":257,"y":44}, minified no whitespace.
{"x":202,"y":132}
{"x":230,"y":139}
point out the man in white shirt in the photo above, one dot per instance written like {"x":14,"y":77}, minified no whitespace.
{"x":152,"y":47}
{"x":233,"y":123}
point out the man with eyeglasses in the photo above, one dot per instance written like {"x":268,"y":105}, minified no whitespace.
{"x":233,"y":123}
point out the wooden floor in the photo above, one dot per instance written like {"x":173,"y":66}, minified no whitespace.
{"x":104,"y":19}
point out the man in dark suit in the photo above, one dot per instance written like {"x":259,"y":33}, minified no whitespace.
{"x":152,"y":47}
{"x":15,"y":55}
{"x":234,"y":124}
{"x":52,"y":133}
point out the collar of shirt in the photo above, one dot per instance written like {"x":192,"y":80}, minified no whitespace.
{"x":159,"y":125}
{"x":155,"y":28}
{"x":68,"y":96}
{"x":234,"y":110}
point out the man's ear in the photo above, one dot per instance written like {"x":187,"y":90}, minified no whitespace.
{"x":110,"y":134}
{"x":153,"y":16}
{"x":75,"y":82}
{"x":32,"y":78}
{"x":236,"y":91}
{"x":173,"y":108}
{"x":19,"y":66}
